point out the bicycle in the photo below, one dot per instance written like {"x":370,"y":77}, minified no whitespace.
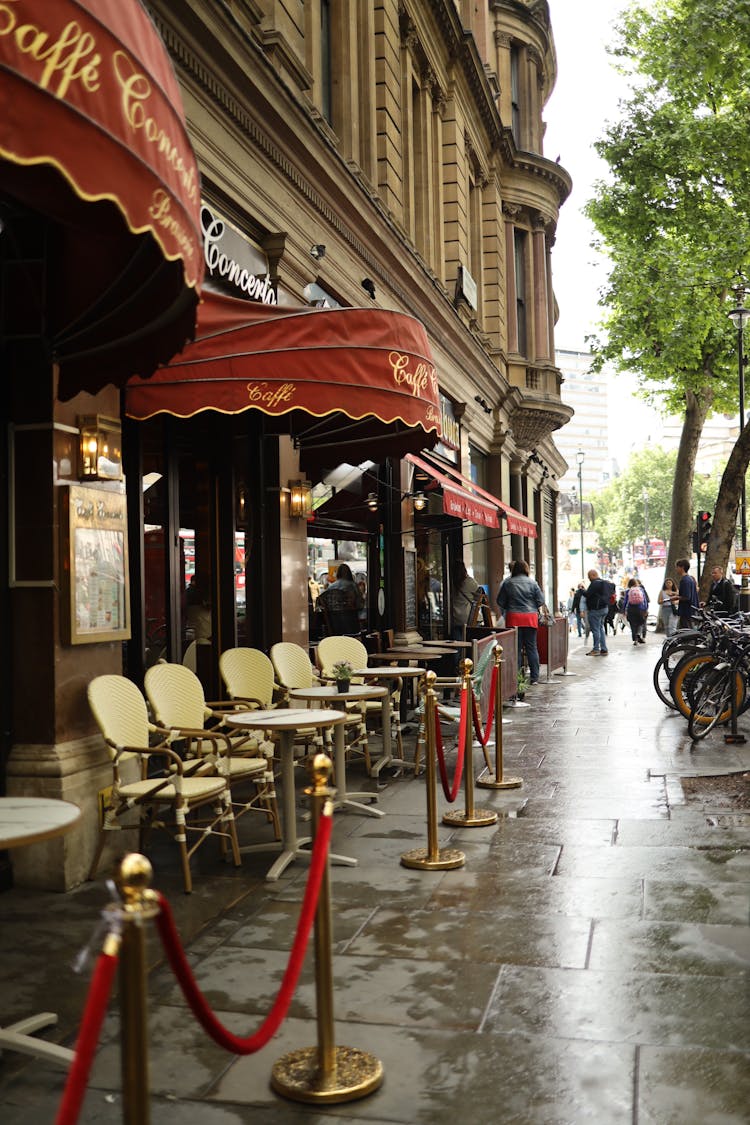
{"x":722,"y":691}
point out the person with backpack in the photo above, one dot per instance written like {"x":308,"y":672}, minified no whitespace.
{"x":597,"y":595}
{"x":636,"y":609}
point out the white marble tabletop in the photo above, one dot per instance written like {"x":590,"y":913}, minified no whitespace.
{"x":27,"y":820}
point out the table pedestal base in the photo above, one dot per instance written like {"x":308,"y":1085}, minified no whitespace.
{"x":17,"y":1037}
{"x":279,"y":866}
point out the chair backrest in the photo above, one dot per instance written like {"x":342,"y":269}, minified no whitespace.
{"x":333,"y":649}
{"x":176,"y":696}
{"x":119,"y":710}
{"x":292,"y":665}
{"x":339,"y":605}
{"x":247,"y":674}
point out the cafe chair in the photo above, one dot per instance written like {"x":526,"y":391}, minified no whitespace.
{"x":160,"y":790}
{"x":330,"y":651}
{"x":294,"y":670}
{"x":178,"y":704}
{"x":249,"y":678}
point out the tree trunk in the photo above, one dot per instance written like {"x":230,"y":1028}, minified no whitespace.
{"x":697,"y":407}
{"x":724,"y":525}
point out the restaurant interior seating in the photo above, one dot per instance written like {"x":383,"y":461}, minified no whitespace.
{"x":121,"y":714}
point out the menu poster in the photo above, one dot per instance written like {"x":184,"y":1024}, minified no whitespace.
{"x":96,"y":558}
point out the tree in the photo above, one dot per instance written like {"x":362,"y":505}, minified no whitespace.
{"x":674,"y":218}
{"x":645,"y":486}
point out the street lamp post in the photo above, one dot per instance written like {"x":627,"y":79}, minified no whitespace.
{"x":646,"y":540}
{"x":579,"y":457}
{"x":739,"y":315}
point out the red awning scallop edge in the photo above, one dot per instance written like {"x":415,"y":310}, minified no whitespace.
{"x":358,"y":362}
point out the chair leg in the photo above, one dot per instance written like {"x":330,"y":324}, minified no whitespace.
{"x":231,"y":827}
{"x":181,"y":838}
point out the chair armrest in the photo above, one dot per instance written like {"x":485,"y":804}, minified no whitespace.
{"x":237,"y":703}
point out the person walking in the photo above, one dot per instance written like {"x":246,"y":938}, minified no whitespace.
{"x":687,"y":595}
{"x":598,"y":593}
{"x":636,"y":607}
{"x":520,"y":598}
{"x":579,"y":609}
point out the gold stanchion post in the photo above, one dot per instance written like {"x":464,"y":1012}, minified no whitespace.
{"x":498,"y":781}
{"x":139,"y":903}
{"x":434,"y":858}
{"x":470,"y":817}
{"x":325,"y":1073}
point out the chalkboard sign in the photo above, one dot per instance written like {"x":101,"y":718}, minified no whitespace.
{"x":410,"y":589}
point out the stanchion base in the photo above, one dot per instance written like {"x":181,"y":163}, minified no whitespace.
{"x":487,"y":781}
{"x":478,"y":819}
{"x":446,"y":859}
{"x":355,"y":1075}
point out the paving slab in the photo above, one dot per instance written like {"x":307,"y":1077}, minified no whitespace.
{"x":589,"y":962}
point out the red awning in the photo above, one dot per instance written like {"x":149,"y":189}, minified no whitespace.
{"x":359,"y":364}
{"x":465,"y":499}
{"x":93,"y":139}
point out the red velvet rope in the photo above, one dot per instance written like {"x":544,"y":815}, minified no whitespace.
{"x":485,"y":737}
{"x":451,"y":792}
{"x":240,"y":1045}
{"x":88,"y":1037}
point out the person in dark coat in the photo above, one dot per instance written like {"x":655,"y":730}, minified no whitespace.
{"x":723,"y":593}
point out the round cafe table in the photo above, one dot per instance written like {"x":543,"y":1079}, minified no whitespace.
{"x":287,"y":721}
{"x":30,"y":820}
{"x":356,"y":693}
{"x":398,"y":672}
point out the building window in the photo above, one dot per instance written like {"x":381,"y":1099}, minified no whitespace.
{"x":519,"y":251}
{"x":326,"y":62}
{"x":476,"y":536}
{"x":515,"y":96}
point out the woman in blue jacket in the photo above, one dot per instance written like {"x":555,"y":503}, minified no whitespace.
{"x":520,"y":599}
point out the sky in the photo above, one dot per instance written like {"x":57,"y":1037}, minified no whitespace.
{"x":584,"y":99}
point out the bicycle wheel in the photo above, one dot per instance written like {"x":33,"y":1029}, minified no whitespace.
{"x":662,"y":681}
{"x":687,"y":677}
{"x":713,"y":699}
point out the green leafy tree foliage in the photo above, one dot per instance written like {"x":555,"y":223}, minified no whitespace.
{"x":643,"y":492}
{"x":674,"y":217}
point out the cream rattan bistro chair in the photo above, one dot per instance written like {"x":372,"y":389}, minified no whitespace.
{"x":120,"y":711}
{"x":249,"y":678}
{"x":177,"y":701}
{"x":332,"y":650}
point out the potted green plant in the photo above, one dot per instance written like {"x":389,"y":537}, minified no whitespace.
{"x":523,"y":683}
{"x":342,"y":674}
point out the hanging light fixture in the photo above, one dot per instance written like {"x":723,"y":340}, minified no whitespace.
{"x":300,"y":499}
{"x":372,"y":501}
{"x":420,"y":501}
{"x":100,"y":448}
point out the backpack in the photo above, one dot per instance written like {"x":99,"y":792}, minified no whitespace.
{"x":635,"y":596}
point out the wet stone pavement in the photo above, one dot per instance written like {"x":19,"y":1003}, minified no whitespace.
{"x":589,"y":963}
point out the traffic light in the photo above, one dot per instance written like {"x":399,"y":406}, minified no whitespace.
{"x":703,"y":530}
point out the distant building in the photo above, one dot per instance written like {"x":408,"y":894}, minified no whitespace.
{"x":588,"y":393}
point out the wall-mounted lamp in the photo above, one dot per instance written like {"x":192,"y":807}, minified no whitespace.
{"x":100,"y":448}
{"x":483,"y":403}
{"x":372,"y":501}
{"x":369,"y":287}
{"x":318,"y":251}
{"x":300,"y":499}
{"x":420,"y":501}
